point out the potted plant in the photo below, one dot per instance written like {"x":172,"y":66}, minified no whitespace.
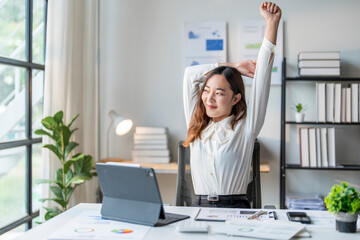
{"x":345,"y":203}
{"x":299,"y":114}
{"x":75,"y":169}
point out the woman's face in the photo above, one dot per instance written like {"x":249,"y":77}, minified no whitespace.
{"x":218,"y":98}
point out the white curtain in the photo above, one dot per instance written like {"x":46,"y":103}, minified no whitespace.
{"x":71,"y":81}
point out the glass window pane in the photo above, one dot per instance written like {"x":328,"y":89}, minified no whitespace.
{"x":36,"y":221}
{"x":12,"y":103}
{"x":36,"y":174}
{"x":38,"y":31}
{"x":12,"y":185}
{"x":37,"y":100}
{"x":12,"y":29}
{"x":14,"y":233}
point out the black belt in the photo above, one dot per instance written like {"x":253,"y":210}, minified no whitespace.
{"x":220,"y":198}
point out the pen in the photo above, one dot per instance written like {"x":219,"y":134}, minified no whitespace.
{"x":273,"y":214}
{"x":256,"y":215}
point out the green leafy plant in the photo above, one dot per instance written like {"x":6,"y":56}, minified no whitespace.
{"x":341,"y":198}
{"x":75,"y":169}
{"x":299,"y":107}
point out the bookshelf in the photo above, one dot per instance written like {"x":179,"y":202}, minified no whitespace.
{"x":284,"y":166}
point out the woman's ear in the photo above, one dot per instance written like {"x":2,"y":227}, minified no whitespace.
{"x":236,"y":99}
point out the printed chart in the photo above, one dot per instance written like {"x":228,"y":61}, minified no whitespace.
{"x":90,"y":225}
{"x":205,"y":42}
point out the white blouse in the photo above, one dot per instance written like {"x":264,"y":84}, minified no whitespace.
{"x":221,"y":160}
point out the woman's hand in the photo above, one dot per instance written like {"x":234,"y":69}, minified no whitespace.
{"x":270,"y":12}
{"x":246,"y":68}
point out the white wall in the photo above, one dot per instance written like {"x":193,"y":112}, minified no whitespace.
{"x":141,"y":59}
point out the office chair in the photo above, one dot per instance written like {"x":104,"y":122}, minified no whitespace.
{"x":184,"y":186}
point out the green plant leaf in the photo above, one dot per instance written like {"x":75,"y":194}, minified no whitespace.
{"x":59,"y":176}
{"x":84,"y":166}
{"x":58,"y":117}
{"x":75,"y":158}
{"x":72,"y":131}
{"x":68,"y":193}
{"x":46,"y":199}
{"x":342,"y":198}
{"x":70,"y":147}
{"x":77,"y":115}
{"x":43,"y":132}
{"x":68,"y":176}
{"x":57,"y":191}
{"x":78,"y":179}
{"x":61,"y":202}
{"x":49,"y":123}
{"x":43,"y":181}
{"x":65,"y":136}
{"x":54,"y":149}
{"x":51,"y":212}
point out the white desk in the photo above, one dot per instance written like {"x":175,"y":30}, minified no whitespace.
{"x":169,"y":232}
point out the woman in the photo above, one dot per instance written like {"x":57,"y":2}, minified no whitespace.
{"x":221,"y":127}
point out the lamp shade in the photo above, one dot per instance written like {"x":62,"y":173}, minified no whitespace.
{"x":122,"y":124}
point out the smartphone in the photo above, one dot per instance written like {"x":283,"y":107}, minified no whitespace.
{"x":299,"y":217}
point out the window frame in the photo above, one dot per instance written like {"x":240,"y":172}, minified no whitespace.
{"x":30,"y":140}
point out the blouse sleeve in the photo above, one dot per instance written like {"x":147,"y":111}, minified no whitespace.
{"x":193,"y":78}
{"x":260,"y":88}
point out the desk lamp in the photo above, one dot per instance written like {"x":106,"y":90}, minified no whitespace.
{"x":122,"y":126}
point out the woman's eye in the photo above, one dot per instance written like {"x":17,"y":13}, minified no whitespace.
{"x":219,"y":93}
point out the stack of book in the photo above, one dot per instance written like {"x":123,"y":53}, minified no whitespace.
{"x":151,"y":145}
{"x":319,"y":63}
{"x":314,"y":202}
{"x":336,"y":103}
{"x":317,"y":147}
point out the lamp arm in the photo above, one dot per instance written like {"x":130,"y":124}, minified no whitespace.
{"x":108,"y":139}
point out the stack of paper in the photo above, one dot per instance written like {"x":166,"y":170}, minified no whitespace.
{"x":259,"y":229}
{"x":319,"y":63}
{"x":151,"y":145}
{"x":299,"y":202}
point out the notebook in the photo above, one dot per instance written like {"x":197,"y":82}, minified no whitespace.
{"x":131,"y":194}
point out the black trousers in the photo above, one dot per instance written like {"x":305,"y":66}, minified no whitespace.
{"x":230,"y":201}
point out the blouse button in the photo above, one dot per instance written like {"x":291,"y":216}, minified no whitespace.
{"x":211,"y":174}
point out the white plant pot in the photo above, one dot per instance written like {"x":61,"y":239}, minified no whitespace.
{"x":346,"y":222}
{"x":299,"y":117}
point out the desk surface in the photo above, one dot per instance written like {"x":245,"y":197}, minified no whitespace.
{"x":158,"y":233}
{"x":172,"y":167}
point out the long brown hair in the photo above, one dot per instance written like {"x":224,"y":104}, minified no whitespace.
{"x":200,"y":119}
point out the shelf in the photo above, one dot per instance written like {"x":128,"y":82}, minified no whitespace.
{"x":321,"y":78}
{"x":347,"y":168}
{"x":293,"y":82}
{"x":321,"y":123}
{"x":172,"y":167}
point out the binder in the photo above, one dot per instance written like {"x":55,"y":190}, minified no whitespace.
{"x":304,"y":147}
{"x":354,"y":102}
{"x":321,"y":102}
{"x":312,"y":147}
{"x":330,"y":102}
{"x":324,"y":148}
{"x":331,"y":147}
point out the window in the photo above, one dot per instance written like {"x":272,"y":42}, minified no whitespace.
{"x":22,"y":58}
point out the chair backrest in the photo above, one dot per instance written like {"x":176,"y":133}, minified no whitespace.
{"x":184,"y":187}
